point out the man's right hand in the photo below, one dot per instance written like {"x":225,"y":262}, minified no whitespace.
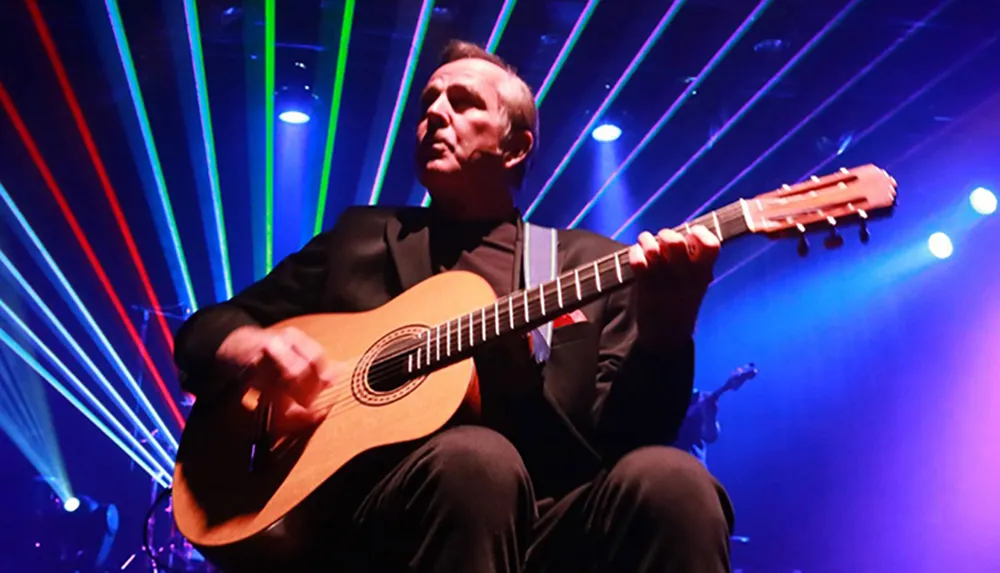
{"x":288,"y":366}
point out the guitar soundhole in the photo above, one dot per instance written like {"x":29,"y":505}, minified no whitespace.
{"x":388,"y":371}
{"x":383,"y":374}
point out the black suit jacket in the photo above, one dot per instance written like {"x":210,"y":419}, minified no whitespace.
{"x":599,"y":398}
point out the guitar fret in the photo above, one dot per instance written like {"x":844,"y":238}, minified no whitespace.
{"x":438,"y":342}
{"x":559,"y":291}
{"x":541,"y":296}
{"x":745,"y":209}
{"x":576,"y":279}
{"x":482,"y":313}
{"x":496,"y":316}
{"x":597,"y":277}
{"x":510,"y":311}
{"x":427,"y":355}
{"x":458,"y":333}
{"x":618,"y":269}
{"x":718,"y":231}
{"x":471,"y":331}
{"x":409,"y":362}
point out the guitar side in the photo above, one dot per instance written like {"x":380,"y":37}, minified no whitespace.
{"x":220,"y":502}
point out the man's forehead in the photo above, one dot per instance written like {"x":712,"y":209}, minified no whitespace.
{"x":468,"y":70}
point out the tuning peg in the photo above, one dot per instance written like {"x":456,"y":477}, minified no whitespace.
{"x":834,"y":240}
{"x":803,"y":248}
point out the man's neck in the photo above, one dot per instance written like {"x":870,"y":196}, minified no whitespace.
{"x":474,"y":209}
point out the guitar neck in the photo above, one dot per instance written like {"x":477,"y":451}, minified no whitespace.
{"x":530,"y":308}
{"x":718,"y":392}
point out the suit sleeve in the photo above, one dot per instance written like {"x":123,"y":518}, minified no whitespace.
{"x":642,"y":396}
{"x":292,"y":288}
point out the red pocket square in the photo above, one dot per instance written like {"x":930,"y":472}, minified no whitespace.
{"x":571,"y":318}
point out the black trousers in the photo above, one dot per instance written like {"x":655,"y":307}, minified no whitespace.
{"x":463,"y":503}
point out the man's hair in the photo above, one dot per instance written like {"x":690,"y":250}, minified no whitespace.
{"x":517,"y":103}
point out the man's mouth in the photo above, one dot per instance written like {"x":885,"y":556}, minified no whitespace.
{"x":434,"y":149}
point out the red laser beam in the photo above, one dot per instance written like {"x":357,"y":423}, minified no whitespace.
{"x":95,"y":157}
{"x":8,"y":104}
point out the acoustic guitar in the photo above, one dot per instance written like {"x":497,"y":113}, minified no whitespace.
{"x":736,"y":380}
{"x":412,"y":368}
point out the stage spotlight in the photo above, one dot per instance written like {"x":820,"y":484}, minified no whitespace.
{"x":71,"y":504}
{"x":294,"y":100}
{"x":78,"y":533}
{"x":983,"y":201}
{"x":940,"y":245}
{"x":293,"y":116}
{"x":606,"y":132}
{"x":773,"y":45}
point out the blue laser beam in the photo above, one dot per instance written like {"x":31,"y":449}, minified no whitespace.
{"x":160,"y":477}
{"x":676,"y":105}
{"x":644,"y":50}
{"x":81,"y":311}
{"x":764,"y":90}
{"x":82,"y":388}
{"x":82,"y":356}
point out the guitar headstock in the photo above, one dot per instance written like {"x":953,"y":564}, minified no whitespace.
{"x":849,"y":196}
{"x":740,"y":376}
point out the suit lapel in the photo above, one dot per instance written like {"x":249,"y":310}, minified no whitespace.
{"x":408,"y":238}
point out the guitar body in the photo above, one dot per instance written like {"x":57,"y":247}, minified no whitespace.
{"x":222,"y":505}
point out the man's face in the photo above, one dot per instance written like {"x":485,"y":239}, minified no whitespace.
{"x":461,"y":119}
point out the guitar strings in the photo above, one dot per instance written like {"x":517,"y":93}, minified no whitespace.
{"x":727,"y":216}
{"x":389,"y":366}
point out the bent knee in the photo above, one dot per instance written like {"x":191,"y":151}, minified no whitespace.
{"x":670,"y":483}
{"x":661,"y":465}
{"x":476,"y":455}
{"x":475,"y":476}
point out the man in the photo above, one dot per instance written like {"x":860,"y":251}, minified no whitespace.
{"x":700,"y":427}
{"x":563,"y":472}
{"x":701,"y":424}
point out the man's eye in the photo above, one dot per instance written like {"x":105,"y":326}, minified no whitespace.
{"x":463,"y":101}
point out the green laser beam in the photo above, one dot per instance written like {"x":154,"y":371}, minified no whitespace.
{"x":331,"y":133}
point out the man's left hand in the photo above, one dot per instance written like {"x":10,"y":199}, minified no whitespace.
{"x":673,"y":271}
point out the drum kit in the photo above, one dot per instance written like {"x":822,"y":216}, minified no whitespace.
{"x":164,"y":549}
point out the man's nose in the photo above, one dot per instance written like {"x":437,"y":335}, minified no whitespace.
{"x":437,"y":114}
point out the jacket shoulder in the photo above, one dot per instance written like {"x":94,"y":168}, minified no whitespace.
{"x":367,"y":213}
{"x":358,"y":218}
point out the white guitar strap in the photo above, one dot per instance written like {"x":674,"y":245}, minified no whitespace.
{"x":540,"y":266}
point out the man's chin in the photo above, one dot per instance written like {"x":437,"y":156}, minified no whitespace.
{"x":431,"y":176}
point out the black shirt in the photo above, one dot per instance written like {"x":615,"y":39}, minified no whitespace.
{"x":509,"y":380}
{"x":484,"y":248}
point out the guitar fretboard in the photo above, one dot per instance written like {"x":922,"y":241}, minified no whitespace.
{"x":523,"y":310}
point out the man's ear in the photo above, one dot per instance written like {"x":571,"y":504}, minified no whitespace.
{"x":516,"y":148}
